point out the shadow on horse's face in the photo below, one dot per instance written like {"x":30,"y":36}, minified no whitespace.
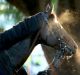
{"x":54,"y":33}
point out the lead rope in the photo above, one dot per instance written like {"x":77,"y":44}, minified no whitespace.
{"x":58,"y":59}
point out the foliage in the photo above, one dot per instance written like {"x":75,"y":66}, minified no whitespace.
{"x":10,"y":12}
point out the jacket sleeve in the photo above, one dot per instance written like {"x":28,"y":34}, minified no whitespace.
{"x":20,"y":31}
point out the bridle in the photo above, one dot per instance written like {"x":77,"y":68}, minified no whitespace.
{"x":61,"y":53}
{"x":58,"y":59}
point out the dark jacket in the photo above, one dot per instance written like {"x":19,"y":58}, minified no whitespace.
{"x":21,"y":31}
{"x":11,"y":55}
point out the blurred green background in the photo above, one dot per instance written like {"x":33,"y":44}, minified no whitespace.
{"x":9,"y":15}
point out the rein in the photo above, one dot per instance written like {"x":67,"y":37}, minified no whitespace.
{"x":58,"y":59}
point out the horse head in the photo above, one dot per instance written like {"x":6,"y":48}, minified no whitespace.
{"x":55,"y":35}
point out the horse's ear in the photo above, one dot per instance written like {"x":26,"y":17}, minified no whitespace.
{"x":49,"y":8}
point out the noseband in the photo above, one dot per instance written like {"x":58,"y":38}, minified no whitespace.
{"x":58,"y":58}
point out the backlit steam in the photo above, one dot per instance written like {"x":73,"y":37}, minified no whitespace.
{"x":77,"y":56}
{"x":71,"y":22}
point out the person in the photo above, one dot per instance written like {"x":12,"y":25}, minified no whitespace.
{"x":22,"y":30}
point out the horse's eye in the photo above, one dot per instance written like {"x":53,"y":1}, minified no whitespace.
{"x":51,"y":16}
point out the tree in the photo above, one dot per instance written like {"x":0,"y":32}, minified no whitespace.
{"x":29,"y":7}
{"x":9,"y":15}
